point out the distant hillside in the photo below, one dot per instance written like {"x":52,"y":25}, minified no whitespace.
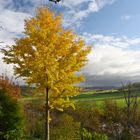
{"x":100,"y":88}
{"x":135,"y":86}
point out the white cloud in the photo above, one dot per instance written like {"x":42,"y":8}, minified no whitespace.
{"x":110,"y":62}
{"x":75,"y":14}
{"x":120,"y":42}
{"x":126,"y":17}
{"x":13,"y":21}
{"x":73,"y":3}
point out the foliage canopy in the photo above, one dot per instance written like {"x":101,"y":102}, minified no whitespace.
{"x":49,"y":56}
{"x":9,"y":87}
{"x":10,"y":118}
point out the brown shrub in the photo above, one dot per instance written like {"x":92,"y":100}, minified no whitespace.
{"x":10,"y":87}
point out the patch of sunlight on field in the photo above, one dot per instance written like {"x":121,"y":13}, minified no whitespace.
{"x":100,"y":103}
{"x":99,"y":91}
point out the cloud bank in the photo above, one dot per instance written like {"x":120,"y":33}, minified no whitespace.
{"x":112,"y":60}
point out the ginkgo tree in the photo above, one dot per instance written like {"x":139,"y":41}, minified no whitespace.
{"x":49,"y":56}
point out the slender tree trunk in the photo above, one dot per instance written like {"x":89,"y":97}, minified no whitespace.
{"x":47,"y":131}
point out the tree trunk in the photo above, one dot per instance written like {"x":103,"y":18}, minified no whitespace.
{"x":47,"y":131}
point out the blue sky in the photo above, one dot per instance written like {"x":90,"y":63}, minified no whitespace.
{"x":120,"y":18}
{"x":110,"y":26}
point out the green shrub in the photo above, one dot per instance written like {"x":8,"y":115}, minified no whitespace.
{"x":34,"y":121}
{"x":10,"y":118}
{"x":65,"y":129}
{"x":86,"y":135}
{"x":96,"y":136}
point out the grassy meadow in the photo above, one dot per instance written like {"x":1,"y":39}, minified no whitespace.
{"x":89,"y":98}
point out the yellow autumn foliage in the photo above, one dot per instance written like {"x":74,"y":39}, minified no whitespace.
{"x":49,"y":56}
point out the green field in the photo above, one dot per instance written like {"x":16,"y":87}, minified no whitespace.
{"x":91,"y":97}
{"x":99,"y":96}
